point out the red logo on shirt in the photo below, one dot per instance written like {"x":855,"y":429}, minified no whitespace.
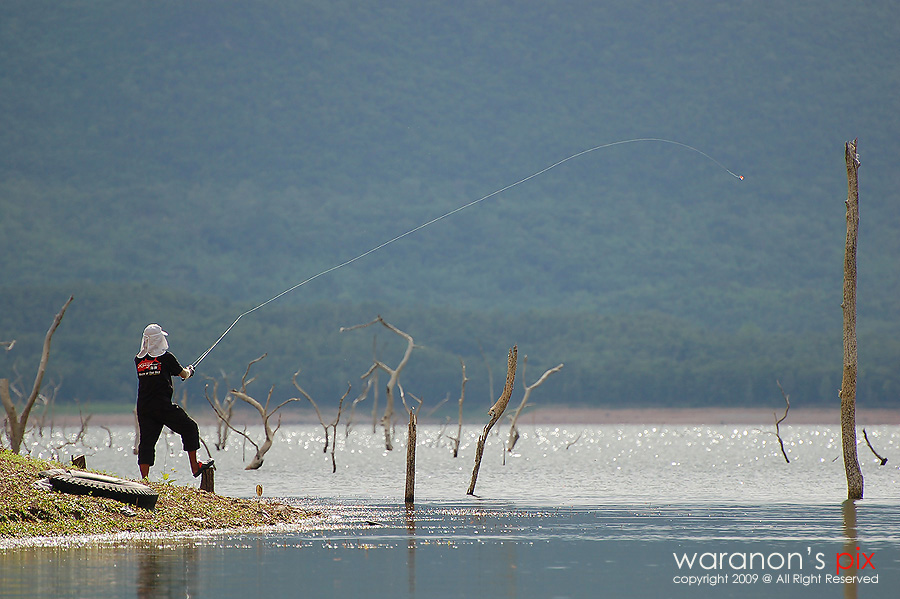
{"x":149,"y":366}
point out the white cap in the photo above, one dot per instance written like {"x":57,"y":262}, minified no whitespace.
{"x":153,"y":342}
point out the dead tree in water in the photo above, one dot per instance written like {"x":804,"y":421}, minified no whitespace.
{"x":848,"y":380}
{"x":224,"y":406}
{"x":462,"y":398}
{"x":778,"y":421}
{"x":374,"y":381}
{"x":17,"y":423}
{"x":394,"y":373}
{"x":513,"y":430}
{"x":361,"y":397}
{"x":495,"y":413}
{"x":264,"y":413}
{"x":334,"y":423}
{"x":869,"y":443}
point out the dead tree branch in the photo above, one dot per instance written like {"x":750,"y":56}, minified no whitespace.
{"x":109,"y":433}
{"x":778,"y":421}
{"x":264,"y":412}
{"x":462,"y":398}
{"x":48,"y":401}
{"x":223,"y":407}
{"x":513,"y":430}
{"x":75,"y":441}
{"x":18,"y":423}
{"x":574,"y":441}
{"x":495,"y":413}
{"x":361,"y":397}
{"x":393,"y":373}
{"x":334,"y":428}
{"x":315,"y":407}
{"x":437,"y":406}
{"x":883,"y":460}
{"x":374,"y":379}
{"x":333,"y":425}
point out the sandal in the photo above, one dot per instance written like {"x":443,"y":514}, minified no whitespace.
{"x":204,"y":466}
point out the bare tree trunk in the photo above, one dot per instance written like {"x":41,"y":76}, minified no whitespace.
{"x":495,"y":413}
{"x":208,"y":480}
{"x":410,"y":495}
{"x":375,"y":392}
{"x":394,"y":373}
{"x":316,"y":408}
{"x":387,"y":420}
{"x":11,"y":419}
{"x":513,"y":431}
{"x":375,"y":403}
{"x":19,"y":423}
{"x":224,"y":407}
{"x":264,"y":414}
{"x":334,"y":425}
{"x":462,"y":398}
{"x":848,"y":382}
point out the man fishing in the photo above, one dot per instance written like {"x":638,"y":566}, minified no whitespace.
{"x":155,"y":368}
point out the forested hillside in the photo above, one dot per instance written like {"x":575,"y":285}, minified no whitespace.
{"x":184,"y":162}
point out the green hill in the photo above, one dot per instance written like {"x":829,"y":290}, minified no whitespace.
{"x":182,"y":163}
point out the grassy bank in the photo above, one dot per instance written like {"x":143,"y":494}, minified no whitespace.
{"x":26,"y":511}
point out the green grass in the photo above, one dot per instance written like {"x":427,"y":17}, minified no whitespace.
{"x":26,"y":511}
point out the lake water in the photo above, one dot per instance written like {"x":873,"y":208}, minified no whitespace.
{"x":575,"y":511}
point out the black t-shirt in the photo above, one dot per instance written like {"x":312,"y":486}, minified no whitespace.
{"x":155,"y":377}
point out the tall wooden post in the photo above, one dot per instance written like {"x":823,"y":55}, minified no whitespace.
{"x":410,"y":496}
{"x":848,"y":381}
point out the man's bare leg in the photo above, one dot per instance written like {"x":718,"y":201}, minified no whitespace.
{"x":195,"y":465}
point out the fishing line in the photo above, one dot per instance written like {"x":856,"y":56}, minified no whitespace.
{"x":454,"y":211}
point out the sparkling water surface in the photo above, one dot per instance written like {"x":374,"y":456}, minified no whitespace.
{"x":573,"y":511}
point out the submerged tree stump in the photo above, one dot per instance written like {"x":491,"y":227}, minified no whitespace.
{"x":208,"y":480}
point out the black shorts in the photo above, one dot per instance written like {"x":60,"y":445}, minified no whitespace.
{"x":152,"y":417}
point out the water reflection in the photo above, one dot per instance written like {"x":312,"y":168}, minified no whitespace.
{"x":411,"y":548}
{"x":561,"y":518}
{"x":472,"y":549}
{"x":848,"y":509}
{"x":166,"y":572}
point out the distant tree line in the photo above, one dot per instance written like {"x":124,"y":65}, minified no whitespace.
{"x":633,"y":359}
